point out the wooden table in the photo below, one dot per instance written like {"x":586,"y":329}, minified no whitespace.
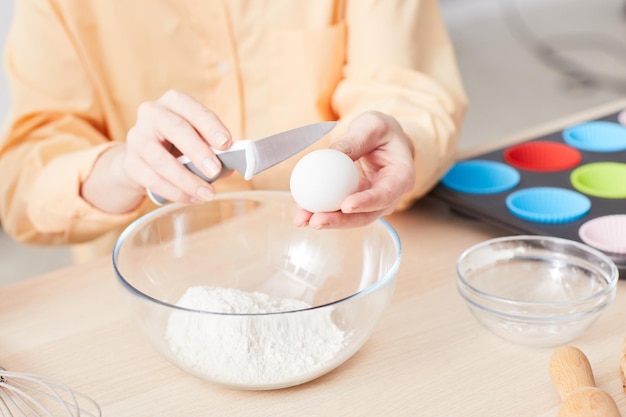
{"x":427,"y":356}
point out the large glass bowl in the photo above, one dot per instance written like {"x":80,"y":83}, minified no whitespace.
{"x":331,"y":286}
{"x":536,"y":290}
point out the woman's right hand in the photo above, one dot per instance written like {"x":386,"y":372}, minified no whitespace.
{"x":174,"y":124}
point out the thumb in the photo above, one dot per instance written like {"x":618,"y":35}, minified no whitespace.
{"x":362,"y":136}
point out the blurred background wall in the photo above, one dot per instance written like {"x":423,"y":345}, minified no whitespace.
{"x":6,"y":10}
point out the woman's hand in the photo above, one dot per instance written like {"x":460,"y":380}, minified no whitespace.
{"x":384,"y":155}
{"x":174,"y":124}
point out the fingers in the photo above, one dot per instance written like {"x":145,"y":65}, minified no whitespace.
{"x":384,"y":154}
{"x":209,"y":127}
{"x":189,"y":126}
{"x":302,"y":217}
{"x":175,"y":122}
{"x":388,"y":186}
{"x":159,"y":185}
{"x":366,"y":133}
{"x":379,"y":198}
{"x":334,"y":220}
{"x":339,"y":220}
{"x":171,"y":180}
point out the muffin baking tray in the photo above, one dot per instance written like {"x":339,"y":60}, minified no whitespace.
{"x":569,"y":183}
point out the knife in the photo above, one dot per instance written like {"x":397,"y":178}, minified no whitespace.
{"x":250,"y":157}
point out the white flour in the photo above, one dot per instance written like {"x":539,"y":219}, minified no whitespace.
{"x":251,"y":350}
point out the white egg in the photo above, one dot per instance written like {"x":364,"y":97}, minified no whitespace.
{"x":322,"y":179}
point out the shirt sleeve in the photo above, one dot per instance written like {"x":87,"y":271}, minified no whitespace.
{"x":52,"y":136}
{"x":400,"y":61}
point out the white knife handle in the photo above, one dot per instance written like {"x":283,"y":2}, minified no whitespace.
{"x":247,"y":146}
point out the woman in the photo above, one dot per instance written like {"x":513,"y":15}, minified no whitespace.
{"x":105,"y":94}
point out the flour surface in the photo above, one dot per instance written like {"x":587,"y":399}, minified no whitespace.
{"x":251,"y":350}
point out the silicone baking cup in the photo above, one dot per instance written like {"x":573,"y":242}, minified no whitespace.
{"x":606,"y":233}
{"x":548,"y":204}
{"x":596,"y":136}
{"x":601,"y":179}
{"x":542,"y":156}
{"x":481,"y":177}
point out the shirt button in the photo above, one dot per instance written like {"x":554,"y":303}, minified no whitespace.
{"x":223,"y":67}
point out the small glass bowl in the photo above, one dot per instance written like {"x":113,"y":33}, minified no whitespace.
{"x":536,"y":290}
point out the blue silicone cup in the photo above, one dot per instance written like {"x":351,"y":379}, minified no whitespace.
{"x":548,"y":204}
{"x":596,"y":136}
{"x":481,"y":177}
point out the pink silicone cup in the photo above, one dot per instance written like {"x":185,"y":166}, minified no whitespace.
{"x":606,"y":233}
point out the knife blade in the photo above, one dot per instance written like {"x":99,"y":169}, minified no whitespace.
{"x":250,"y":157}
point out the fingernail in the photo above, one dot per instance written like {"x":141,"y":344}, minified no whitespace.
{"x":302,"y":224}
{"x":343,"y":146}
{"x":221,"y":138}
{"x":211,"y":166}
{"x":204,"y":193}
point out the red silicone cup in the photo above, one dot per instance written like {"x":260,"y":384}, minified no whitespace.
{"x":542,"y":156}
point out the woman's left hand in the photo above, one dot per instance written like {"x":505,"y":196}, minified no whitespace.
{"x":384,"y":156}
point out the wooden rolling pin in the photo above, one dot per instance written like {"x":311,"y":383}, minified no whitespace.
{"x":571,"y":373}
{"x":622,"y":366}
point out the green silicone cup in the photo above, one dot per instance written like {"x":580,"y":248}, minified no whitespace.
{"x":601,"y":179}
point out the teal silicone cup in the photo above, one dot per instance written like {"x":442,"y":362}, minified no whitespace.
{"x":481,"y":177}
{"x":548,"y":204}
{"x":597,"y":136}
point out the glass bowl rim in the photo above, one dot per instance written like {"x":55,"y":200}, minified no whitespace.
{"x":388,"y":278}
{"x":611,"y":280}
{"x":538,"y":319}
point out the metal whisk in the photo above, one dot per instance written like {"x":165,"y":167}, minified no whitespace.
{"x":24,"y":395}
